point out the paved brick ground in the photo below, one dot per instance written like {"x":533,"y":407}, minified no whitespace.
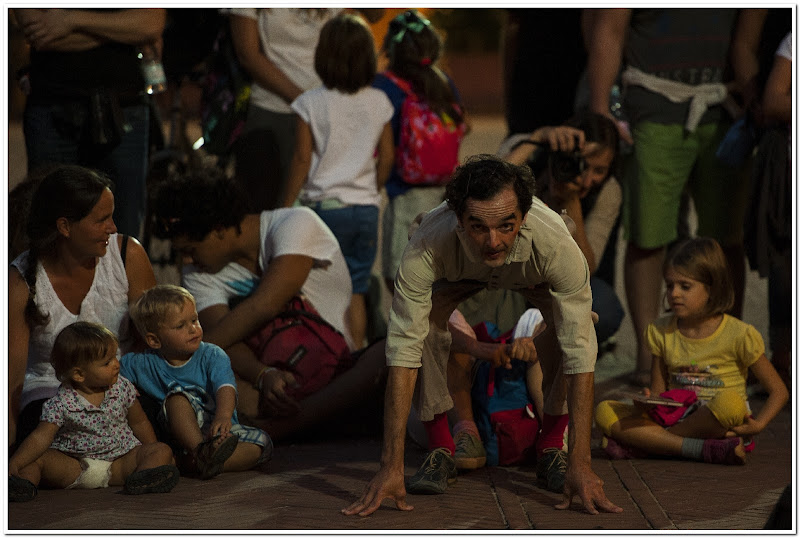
{"x":307,"y":483}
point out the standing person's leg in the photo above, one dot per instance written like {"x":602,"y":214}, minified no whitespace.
{"x":655,"y":176}
{"x":280,"y":129}
{"x":399,"y":214}
{"x":643,"y":293}
{"x":721,"y":198}
{"x":609,"y":310}
{"x":356,"y":230}
{"x":127,"y":167}
{"x":52,"y":133}
{"x":780,"y":314}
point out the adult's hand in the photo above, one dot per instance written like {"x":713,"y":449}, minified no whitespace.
{"x":49,"y":26}
{"x":560,"y":138}
{"x":580,"y":480}
{"x":521,"y":348}
{"x":384,"y":485}
{"x":273,"y":399}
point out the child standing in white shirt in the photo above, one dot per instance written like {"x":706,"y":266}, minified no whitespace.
{"x":340,"y":128}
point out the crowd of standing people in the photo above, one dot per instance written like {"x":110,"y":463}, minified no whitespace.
{"x":116,"y":379}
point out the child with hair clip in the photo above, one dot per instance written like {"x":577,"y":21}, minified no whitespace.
{"x":93,"y":433}
{"x":412,"y":47}
{"x":341,"y":126}
{"x":194,"y":385}
{"x":701,"y":358}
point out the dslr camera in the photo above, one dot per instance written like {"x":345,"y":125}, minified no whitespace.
{"x":564,"y":166}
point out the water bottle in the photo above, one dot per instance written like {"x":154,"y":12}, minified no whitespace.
{"x":155,"y":80}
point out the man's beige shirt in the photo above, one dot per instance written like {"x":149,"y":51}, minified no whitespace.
{"x":543,"y":253}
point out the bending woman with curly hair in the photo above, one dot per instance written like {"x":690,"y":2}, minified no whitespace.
{"x":242,"y":269}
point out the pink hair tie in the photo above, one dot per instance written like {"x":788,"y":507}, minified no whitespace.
{"x":425,"y":61}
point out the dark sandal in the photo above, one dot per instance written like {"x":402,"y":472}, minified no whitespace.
{"x":20,"y":490}
{"x":210,"y":460}
{"x":156,"y":480}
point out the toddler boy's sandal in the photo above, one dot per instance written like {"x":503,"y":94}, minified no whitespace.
{"x":156,"y":480}
{"x":210,"y":459}
{"x":20,"y":490}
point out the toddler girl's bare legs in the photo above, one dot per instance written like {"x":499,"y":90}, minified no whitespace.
{"x":141,"y":458}
{"x":53,"y":469}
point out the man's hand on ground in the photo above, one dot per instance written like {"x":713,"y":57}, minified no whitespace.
{"x":581,"y":481}
{"x":385,"y":485}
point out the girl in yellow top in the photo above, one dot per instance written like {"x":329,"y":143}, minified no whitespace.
{"x":696,"y":346}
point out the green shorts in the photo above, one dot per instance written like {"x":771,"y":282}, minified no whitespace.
{"x":666,"y":159}
{"x":400,"y":212}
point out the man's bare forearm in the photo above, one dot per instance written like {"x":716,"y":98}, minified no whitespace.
{"x":399,"y":391}
{"x":580,"y":399}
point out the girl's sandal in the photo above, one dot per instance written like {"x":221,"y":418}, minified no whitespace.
{"x":210,"y":459}
{"x":159,"y":479}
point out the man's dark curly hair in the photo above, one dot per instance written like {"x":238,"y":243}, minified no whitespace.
{"x":196,"y":203}
{"x":482,"y":177}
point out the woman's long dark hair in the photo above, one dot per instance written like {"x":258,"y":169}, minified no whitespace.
{"x":69,"y":191}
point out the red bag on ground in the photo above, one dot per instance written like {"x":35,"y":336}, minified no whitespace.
{"x":300,"y":341}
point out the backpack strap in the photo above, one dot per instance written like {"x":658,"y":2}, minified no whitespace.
{"x":401,"y":83}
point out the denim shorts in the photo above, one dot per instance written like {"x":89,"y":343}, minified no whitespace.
{"x":356,"y":229}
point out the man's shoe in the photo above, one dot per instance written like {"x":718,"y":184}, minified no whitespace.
{"x":434,"y":475}
{"x":551,"y":468}
{"x":470,"y":453}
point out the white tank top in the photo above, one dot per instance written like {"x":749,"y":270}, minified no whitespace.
{"x":106,"y":303}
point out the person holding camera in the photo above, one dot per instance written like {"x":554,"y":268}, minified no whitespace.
{"x":573,"y":165}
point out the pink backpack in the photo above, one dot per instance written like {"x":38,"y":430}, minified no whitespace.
{"x":427,"y":152}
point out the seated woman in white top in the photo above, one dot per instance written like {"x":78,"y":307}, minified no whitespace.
{"x":76,"y":268}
